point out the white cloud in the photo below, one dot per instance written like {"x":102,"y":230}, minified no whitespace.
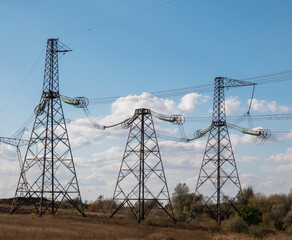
{"x":237,"y":139}
{"x":125,"y":106}
{"x":265,"y":106}
{"x":249,"y":180}
{"x":81,"y":130}
{"x":107,"y":159}
{"x":277,"y":169}
{"x":287,"y":156}
{"x":232,"y":104}
{"x":274,"y":185}
{"x":190,"y":101}
{"x":247,"y":159}
{"x":180,"y":154}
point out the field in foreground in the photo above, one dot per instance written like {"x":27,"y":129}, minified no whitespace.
{"x":30,"y":226}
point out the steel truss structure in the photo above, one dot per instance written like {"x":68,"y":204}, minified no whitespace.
{"x":141,"y":182}
{"x":48,"y":177}
{"x":218,"y":174}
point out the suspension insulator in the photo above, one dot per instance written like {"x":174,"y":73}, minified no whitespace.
{"x":197,"y":133}
{"x":264,"y":133}
{"x":125,"y":125}
{"x":81,"y":102}
{"x":38,"y":111}
{"x":177,"y":119}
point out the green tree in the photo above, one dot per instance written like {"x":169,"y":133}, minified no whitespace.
{"x":288,"y":219}
{"x":182,"y":200}
{"x":247,"y":194}
{"x":180,"y":197}
{"x":253,"y":214}
{"x":99,"y":201}
{"x":279,"y":207}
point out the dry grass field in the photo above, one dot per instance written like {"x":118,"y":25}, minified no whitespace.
{"x":68,"y":225}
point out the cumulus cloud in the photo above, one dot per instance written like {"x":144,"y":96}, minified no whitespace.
{"x":232,"y":104}
{"x":237,"y":139}
{"x":180,"y":154}
{"x":8,"y":152}
{"x":249,"y":180}
{"x":109,"y":157}
{"x":247,"y":159}
{"x":125,"y":106}
{"x":274,"y":185}
{"x":81,"y":130}
{"x":190,"y":101}
{"x":287,"y":156}
{"x":265,"y":106}
{"x":277,"y":169}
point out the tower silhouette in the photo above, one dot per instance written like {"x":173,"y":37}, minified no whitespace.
{"x":141,"y":182}
{"x":218,"y":175}
{"x":48,"y":175}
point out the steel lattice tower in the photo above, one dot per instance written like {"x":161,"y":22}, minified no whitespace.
{"x":218,"y":170}
{"x":141,"y":182}
{"x":48,"y":175}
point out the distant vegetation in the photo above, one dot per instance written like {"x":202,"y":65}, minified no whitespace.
{"x":266,"y":217}
{"x":263,"y":214}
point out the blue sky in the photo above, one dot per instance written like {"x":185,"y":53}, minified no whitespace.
{"x":184,"y":43}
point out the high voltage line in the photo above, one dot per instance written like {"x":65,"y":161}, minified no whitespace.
{"x":259,"y":80}
{"x":121,"y":18}
{"x":82,"y":31}
{"x":260,"y":117}
{"x":262,"y":79}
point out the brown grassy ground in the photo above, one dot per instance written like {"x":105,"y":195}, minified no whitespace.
{"x":94,"y":226}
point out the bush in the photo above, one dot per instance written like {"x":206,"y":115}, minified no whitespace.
{"x":180,"y":216}
{"x":277,"y":214}
{"x":288,"y":230}
{"x":288,"y":220}
{"x":259,"y":233}
{"x":93,"y":207}
{"x":253,"y":214}
{"x":236,"y":224}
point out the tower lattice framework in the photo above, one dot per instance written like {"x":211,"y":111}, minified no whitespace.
{"x":48,"y":177}
{"x":141,"y":183}
{"x":218,"y":177}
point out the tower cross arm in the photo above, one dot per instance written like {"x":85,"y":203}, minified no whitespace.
{"x":228,"y":82}
{"x":14,"y":141}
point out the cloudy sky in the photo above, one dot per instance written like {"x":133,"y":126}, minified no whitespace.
{"x":180,"y":44}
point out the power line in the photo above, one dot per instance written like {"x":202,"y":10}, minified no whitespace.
{"x":263,"y":79}
{"x":22,"y":82}
{"x":260,"y":117}
{"x":122,"y":18}
{"x":94,"y":140}
{"x":267,"y":75}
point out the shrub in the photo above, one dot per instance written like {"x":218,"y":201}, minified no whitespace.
{"x":288,"y":220}
{"x":253,"y":214}
{"x":259,"y":233}
{"x":288,"y":230}
{"x":93,"y":207}
{"x":236,"y":224}
{"x":277,"y":214}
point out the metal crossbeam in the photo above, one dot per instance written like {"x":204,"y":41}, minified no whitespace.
{"x":14,"y":141}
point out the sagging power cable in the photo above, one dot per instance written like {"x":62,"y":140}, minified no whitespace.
{"x":261,"y":79}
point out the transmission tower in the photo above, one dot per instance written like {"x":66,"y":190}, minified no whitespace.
{"x":48,"y":177}
{"x":141,"y":182}
{"x":218,"y":172}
